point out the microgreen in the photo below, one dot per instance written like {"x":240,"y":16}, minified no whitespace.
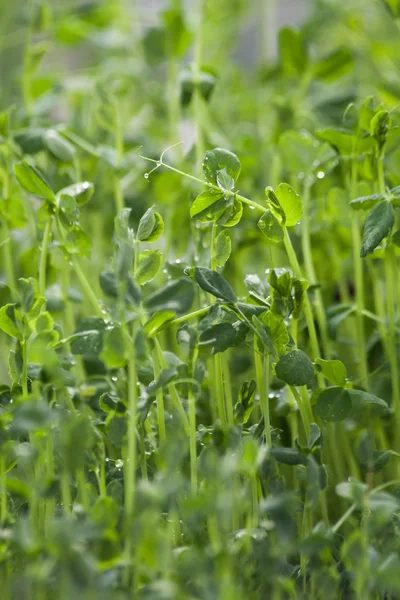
{"x":199,"y":367}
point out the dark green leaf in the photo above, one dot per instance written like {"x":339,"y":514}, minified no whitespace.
{"x":222,"y":248}
{"x":295,"y":368}
{"x":212,"y":282}
{"x":218,"y":337}
{"x":334,"y":404}
{"x":218,"y":160}
{"x":177,"y":295}
{"x":378,"y":225}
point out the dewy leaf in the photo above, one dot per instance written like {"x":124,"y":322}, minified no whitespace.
{"x":380,"y":127}
{"x":212,"y":282}
{"x":88,"y":337}
{"x":109,"y":284}
{"x":378,"y":225}
{"x":33,"y":182}
{"x":295,"y":368}
{"x":146,"y":225}
{"x":158,"y":321}
{"x":333,"y":404}
{"x":82,"y":192}
{"x":223,"y":248}
{"x":333,"y":370}
{"x":225,"y":181}
{"x":149,"y":265}
{"x":290,"y":202}
{"x":218,"y":160}
{"x":270,"y":227}
{"x":276,"y":329}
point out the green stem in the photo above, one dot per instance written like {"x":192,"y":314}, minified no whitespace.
{"x":359,"y":282}
{"x":262,"y":376}
{"x":159,"y":399}
{"x":131,"y":456}
{"x":391,"y":274}
{"x":310,"y":269}
{"x":193,"y":430}
{"x":24,"y":376}
{"x":307,"y":306}
{"x":43,"y":257}
{"x":87,"y":288}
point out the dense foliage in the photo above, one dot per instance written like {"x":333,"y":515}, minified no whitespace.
{"x":199,"y":369}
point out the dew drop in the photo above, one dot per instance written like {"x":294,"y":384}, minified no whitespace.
{"x":114,"y":378}
{"x":146,"y":175}
{"x":320,"y":174}
{"x":251,"y":207}
{"x":158,"y":164}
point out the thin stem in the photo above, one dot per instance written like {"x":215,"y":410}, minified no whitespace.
{"x":159,"y":399}
{"x":359,"y":282}
{"x":87,"y":288}
{"x":262,"y":377}
{"x":193,"y":430}
{"x":24,"y":376}
{"x":344,"y":518}
{"x":310,"y":269}
{"x":43,"y":257}
{"x":391,"y":274}
{"x":307,"y":306}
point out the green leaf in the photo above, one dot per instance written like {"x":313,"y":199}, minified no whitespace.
{"x":212,"y":282}
{"x":232,"y":214}
{"x":333,"y":404}
{"x":158,"y":229}
{"x":223,"y":248}
{"x":109,"y":284}
{"x":30,"y":140}
{"x":295,"y":368}
{"x":225,"y":182}
{"x":276,"y":329}
{"x":15,"y":366}
{"x":365,"y":202}
{"x":290,"y":202}
{"x":288,"y":456}
{"x":115,"y":348}
{"x":11,"y":321}
{"x":336,"y":315}
{"x":146,"y":225}
{"x":378,"y":225}
{"x":209,"y":206}
{"x":78,"y":242}
{"x":244,"y":406}
{"x":88,"y":336}
{"x":123,"y":232}
{"x":292,"y":51}
{"x":380,"y":127}
{"x":58,"y":146}
{"x":82,"y":192}
{"x":149,"y":265}
{"x":333,"y":370}
{"x":158,"y":321}
{"x":220,"y":160}
{"x":335,"y":65}
{"x":366,"y":403}
{"x":270,"y":227}
{"x":33,"y":182}
{"x":218,"y":337}
{"x":177,"y":295}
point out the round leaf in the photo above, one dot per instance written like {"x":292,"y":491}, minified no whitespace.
{"x":295,"y":368}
